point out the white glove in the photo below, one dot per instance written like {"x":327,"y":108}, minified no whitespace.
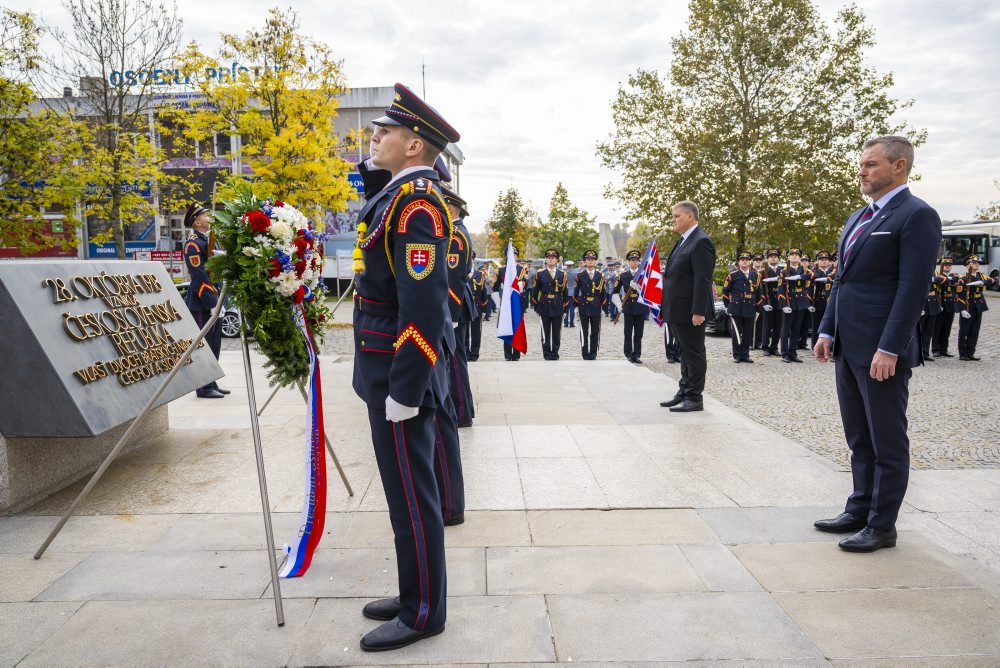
{"x":822,"y":279}
{"x":397,"y":412}
{"x":773,"y":279}
{"x":219,"y":251}
{"x":787,"y":309}
{"x":922,"y":314}
{"x":974,"y":283}
{"x":812,"y":309}
{"x":454,"y":325}
{"x":796,"y":277}
{"x":768,"y":308}
{"x":966,"y":314}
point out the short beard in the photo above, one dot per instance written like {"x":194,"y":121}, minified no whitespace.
{"x":876,"y":186}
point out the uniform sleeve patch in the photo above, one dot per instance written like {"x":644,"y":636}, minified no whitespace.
{"x":195,"y":260}
{"x":421,"y":209}
{"x":411,"y":333}
{"x":420,"y":260}
{"x":452,"y":260}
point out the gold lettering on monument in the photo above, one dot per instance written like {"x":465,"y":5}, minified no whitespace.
{"x":138,"y":332}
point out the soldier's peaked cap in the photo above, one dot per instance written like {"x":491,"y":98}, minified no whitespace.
{"x":633,"y":255}
{"x":745,"y":256}
{"x":551,"y":252}
{"x":409,"y":111}
{"x":453,"y":198}
{"x":947,"y":259}
{"x":822,"y":255}
{"x":590,"y":255}
{"x":972,"y":258}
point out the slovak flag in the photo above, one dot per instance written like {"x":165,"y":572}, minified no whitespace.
{"x":510,"y":323}
{"x":649,"y":281}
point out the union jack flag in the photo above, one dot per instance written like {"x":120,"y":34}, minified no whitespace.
{"x":649,"y":281}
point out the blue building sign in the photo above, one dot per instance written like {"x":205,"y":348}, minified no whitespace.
{"x":108,"y":249}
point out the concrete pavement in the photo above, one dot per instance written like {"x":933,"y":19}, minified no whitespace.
{"x":601,"y":528}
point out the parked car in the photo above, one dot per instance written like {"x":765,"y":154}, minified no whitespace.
{"x":719,"y":323}
{"x":230,"y":319}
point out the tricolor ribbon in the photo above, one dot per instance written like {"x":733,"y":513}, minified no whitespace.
{"x":314,"y":509}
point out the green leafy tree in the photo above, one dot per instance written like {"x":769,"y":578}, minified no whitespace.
{"x":568,"y":229}
{"x":39,"y":149}
{"x":989,"y":211}
{"x":281,"y":102}
{"x":512,"y":220}
{"x":759,"y":120}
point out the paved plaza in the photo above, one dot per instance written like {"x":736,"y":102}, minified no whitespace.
{"x":600,"y":528}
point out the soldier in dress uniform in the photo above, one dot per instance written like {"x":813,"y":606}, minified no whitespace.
{"x":402,"y":334}
{"x":807,"y":321}
{"x":793,"y":295}
{"x":741,"y":293}
{"x":822,"y":284}
{"x":972,"y":300}
{"x":770,"y":305}
{"x":933,"y":308}
{"x":590,"y":298}
{"x":633,"y":311}
{"x":480,"y":295}
{"x":757,"y":264}
{"x":510,"y":353}
{"x":945,"y":319}
{"x":550,"y":299}
{"x":462,"y":305}
{"x":202,"y":296}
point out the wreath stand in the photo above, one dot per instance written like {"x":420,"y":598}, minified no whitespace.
{"x":255,"y":429}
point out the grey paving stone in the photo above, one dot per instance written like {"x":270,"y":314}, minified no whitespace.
{"x":241,"y":531}
{"x":84,"y":533}
{"x":897,"y":622}
{"x":604,"y":441}
{"x":983,"y":527}
{"x":578,"y":570}
{"x":174,"y":633}
{"x":492,"y":484}
{"x":718,"y":568}
{"x":953,"y":661}
{"x":617,"y":527}
{"x":24,"y":626}
{"x":736,"y":526}
{"x":371,"y":573}
{"x":490,"y":528}
{"x":820,"y":567}
{"x":163,"y":575}
{"x":544,"y":441}
{"x":24,"y":578}
{"x":486,"y":441}
{"x":756,"y":483}
{"x":480,"y":629}
{"x":674,"y":627}
{"x":566,"y":482}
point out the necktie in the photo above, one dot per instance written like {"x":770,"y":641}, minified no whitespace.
{"x":862,"y":222}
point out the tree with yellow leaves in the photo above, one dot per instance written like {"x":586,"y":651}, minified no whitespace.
{"x":279,"y":98}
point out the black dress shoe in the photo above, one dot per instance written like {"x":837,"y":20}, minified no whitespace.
{"x":455,"y":520}
{"x":869,"y":539}
{"x":672,"y":402}
{"x":796,"y":360}
{"x":688,"y":406}
{"x":748,"y":360}
{"x":737,"y":360}
{"x":768,"y":353}
{"x":219,"y":389}
{"x":210,"y":394}
{"x":383,"y":609}
{"x":842,"y":523}
{"x":964,"y":358}
{"x":928,"y":358}
{"x":787,"y":360}
{"x":973,"y":358}
{"x":393,"y":635}
{"x":944,"y":355}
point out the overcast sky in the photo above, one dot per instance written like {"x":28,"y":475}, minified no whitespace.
{"x":529,"y":84}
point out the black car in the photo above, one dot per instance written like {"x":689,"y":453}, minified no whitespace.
{"x":230,"y":319}
{"x":719,"y":322}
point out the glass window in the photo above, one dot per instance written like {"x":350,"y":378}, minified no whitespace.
{"x":223,"y":145}
{"x":962,"y":246}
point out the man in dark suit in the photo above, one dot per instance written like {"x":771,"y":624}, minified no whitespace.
{"x":687,"y":301}
{"x":888,"y":251}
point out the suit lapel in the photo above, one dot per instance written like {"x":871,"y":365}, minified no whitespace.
{"x":877,"y":221}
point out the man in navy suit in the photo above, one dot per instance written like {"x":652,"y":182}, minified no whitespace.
{"x":888,"y":251}
{"x":687,"y":301}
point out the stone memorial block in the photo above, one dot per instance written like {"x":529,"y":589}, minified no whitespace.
{"x":84,"y":345}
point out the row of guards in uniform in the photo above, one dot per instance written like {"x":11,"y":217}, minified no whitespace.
{"x":633,"y":312}
{"x":405,"y":324}
{"x":950,"y":294}
{"x":791,"y":302}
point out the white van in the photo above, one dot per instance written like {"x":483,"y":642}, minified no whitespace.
{"x":961,"y":240}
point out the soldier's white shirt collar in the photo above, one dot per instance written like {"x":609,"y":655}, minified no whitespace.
{"x":402,"y":176}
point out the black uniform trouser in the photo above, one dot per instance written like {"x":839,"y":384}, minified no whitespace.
{"x":590,"y":335}
{"x":634,"y":325}
{"x":551,"y":336}
{"x":741,"y":347}
{"x":475,"y":337}
{"x":772,"y":329}
{"x":942,"y":330}
{"x":694,"y":364}
{"x":510,"y":353}
{"x":758,"y":330}
{"x":213,"y":339}
{"x":791,"y":326}
{"x":968,"y":333}
{"x":805,"y":329}
{"x":448,"y":463}
{"x":927,"y":326}
{"x":406,"y":454}
{"x":874,"y":417}
{"x":670,"y":342}
{"x":817,"y":318}
{"x":460,"y":392}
